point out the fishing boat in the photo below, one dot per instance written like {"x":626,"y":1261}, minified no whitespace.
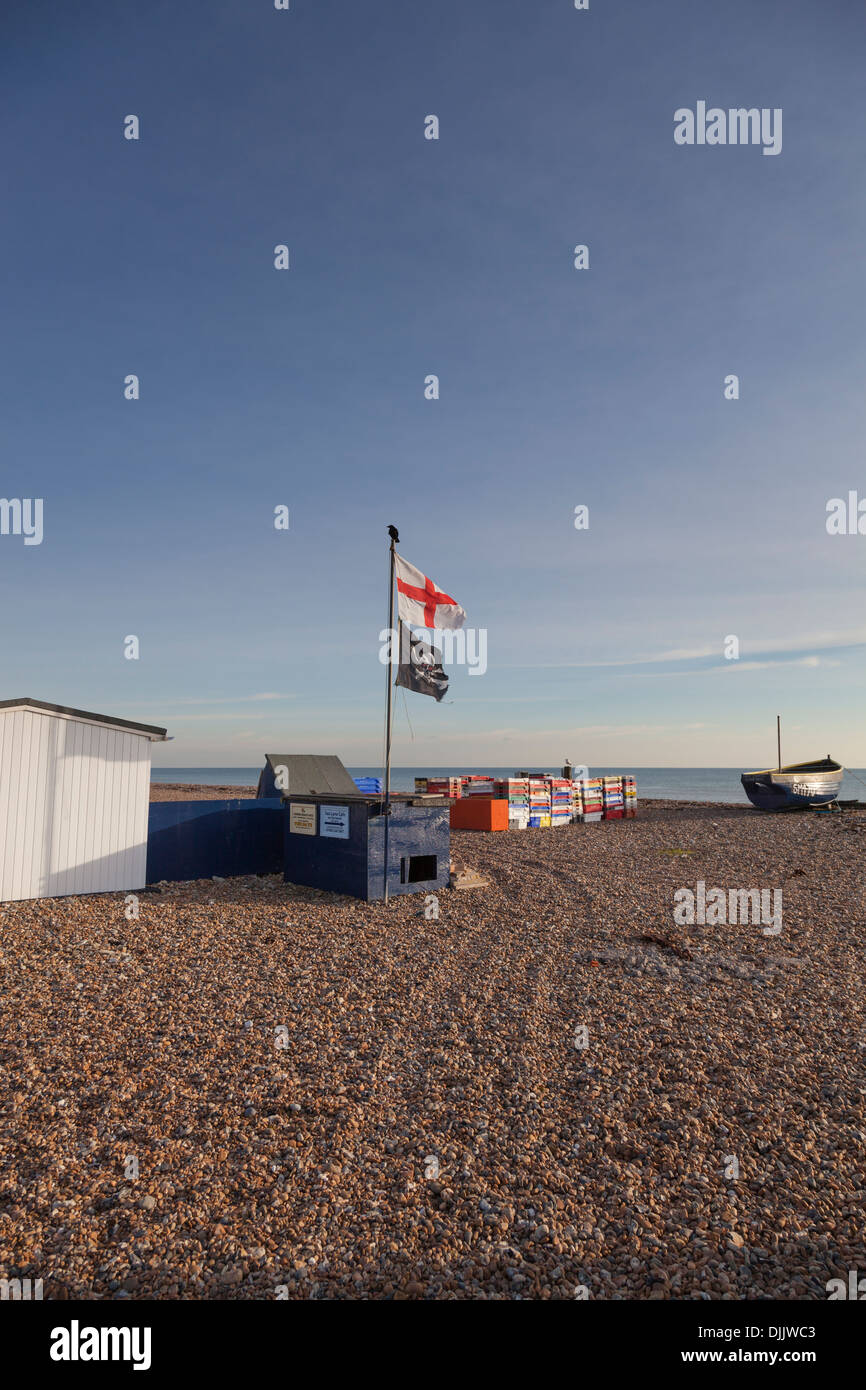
{"x":795,"y":784}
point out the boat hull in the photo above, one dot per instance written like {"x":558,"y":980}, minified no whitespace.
{"x":797,"y":786}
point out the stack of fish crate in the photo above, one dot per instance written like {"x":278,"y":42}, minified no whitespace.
{"x":560,"y":801}
{"x":438,"y":786}
{"x":612,"y":797}
{"x":537,"y":799}
{"x":515,"y":790}
{"x":593,"y":803}
{"x":477,"y":785}
{"x":539,"y":803}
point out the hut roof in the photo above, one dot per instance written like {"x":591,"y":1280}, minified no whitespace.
{"x":42,"y":707}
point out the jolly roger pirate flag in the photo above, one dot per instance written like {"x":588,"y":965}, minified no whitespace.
{"x":420,"y":667}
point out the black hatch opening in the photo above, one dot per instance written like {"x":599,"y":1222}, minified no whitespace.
{"x":418,"y":868}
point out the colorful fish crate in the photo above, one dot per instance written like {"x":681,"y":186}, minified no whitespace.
{"x":541,"y":800}
{"x":612,"y":798}
{"x":560,"y":801}
{"x":539,"y":803}
{"x":515,"y":790}
{"x":438,"y":786}
{"x":593,"y":800}
{"x":479,"y":786}
{"x":371,"y":786}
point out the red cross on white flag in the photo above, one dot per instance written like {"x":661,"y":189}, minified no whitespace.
{"x":420,"y":603}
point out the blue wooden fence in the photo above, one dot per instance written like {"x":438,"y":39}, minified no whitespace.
{"x":201,"y":839}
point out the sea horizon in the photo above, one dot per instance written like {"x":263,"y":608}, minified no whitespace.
{"x":720,"y":784}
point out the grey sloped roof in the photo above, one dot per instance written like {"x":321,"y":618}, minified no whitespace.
{"x":151,"y":730}
{"x":313,"y":773}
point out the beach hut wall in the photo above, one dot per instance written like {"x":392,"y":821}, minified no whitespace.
{"x":74,"y":795}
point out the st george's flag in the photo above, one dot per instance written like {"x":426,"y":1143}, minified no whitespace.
{"x":420,"y":603}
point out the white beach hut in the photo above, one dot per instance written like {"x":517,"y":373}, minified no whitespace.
{"x":74,"y":794}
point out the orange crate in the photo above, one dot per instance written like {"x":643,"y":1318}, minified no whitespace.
{"x":479,"y":813}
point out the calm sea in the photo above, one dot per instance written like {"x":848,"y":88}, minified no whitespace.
{"x":653,"y":783}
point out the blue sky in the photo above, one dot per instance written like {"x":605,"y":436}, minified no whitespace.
{"x":455,"y":257}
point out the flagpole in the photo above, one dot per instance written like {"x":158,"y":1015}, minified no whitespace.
{"x":389,"y":684}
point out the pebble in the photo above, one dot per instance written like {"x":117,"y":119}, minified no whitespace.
{"x":429,"y":1129}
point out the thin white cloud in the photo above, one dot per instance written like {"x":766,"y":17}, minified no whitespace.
{"x":210,"y":716}
{"x":823,"y":641}
{"x":810,"y":661}
{"x":232,"y":699}
{"x":198,"y":700}
{"x":571,"y":731}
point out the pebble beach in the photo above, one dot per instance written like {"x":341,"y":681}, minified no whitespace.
{"x":256,"y":1091}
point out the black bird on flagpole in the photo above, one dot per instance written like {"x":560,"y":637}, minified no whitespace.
{"x":392,"y":532}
